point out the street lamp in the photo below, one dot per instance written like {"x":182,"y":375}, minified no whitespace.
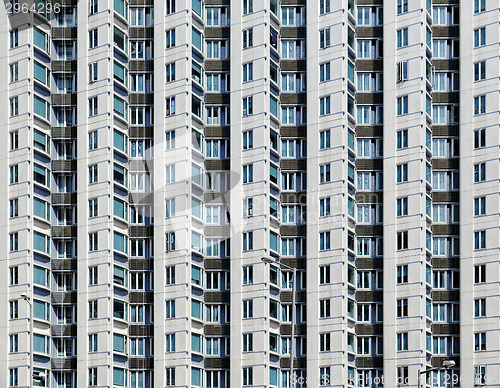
{"x":292,"y":331}
{"x":446,"y":365}
{"x":27,"y":299}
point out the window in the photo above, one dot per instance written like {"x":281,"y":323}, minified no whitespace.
{"x":402,"y":274}
{"x":324,"y":207}
{"x":248,"y":376}
{"x":480,"y":138}
{"x":402,"y":308}
{"x":480,"y":308}
{"x":92,"y":106}
{"x":169,"y":10}
{"x":14,"y":38}
{"x":93,"y":309}
{"x":248,"y":342}
{"x":14,"y":276}
{"x":364,"y":14}
{"x":324,"y":241}
{"x":402,"y":375}
{"x":136,"y":16}
{"x":479,"y":6}
{"x":324,"y":375}
{"x":402,"y":37}
{"x":41,"y":310}
{"x":402,"y":173}
{"x":402,"y":139}
{"x":479,"y":375}
{"x":248,"y":38}
{"x":480,"y":206}
{"x":170,"y":173}
{"x":14,"y":106}
{"x":14,"y":241}
{"x":93,"y":242}
{"x":120,"y":107}
{"x":93,"y":173}
{"x":170,"y":38}
{"x":14,"y":309}
{"x":324,"y":38}
{"x":480,"y":273}
{"x":479,"y":71}
{"x":41,"y":242}
{"x":92,"y":72}
{"x":248,"y":72}
{"x":324,"y":274}
{"x":14,"y":140}
{"x":402,"y":105}
{"x":324,"y":139}
{"x":92,"y":376}
{"x":402,"y":6}
{"x":402,"y":206}
{"x":363,"y":49}
{"x":480,"y":37}
{"x":480,"y":239}
{"x":402,"y":240}
{"x":14,"y":343}
{"x":247,"y":106}
{"x":364,"y":82}
{"x":170,"y":106}
{"x":170,"y":372}
{"x":247,"y":6}
{"x":170,"y":309}
{"x":324,"y":342}
{"x":247,"y":241}
{"x":93,"y":38}
{"x":247,"y":274}
{"x":402,"y":342}
{"x":480,"y":172}
{"x":402,"y":71}
{"x":479,"y":342}
{"x":324,"y":72}
{"x":93,"y":275}
{"x":170,"y":241}
{"x":40,"y":175}
{"x":170,"y":342}
{"x":324,"y":105}
{"x":14,"y":72}
{"x":13,"y":377}
{"x":93,"y":140}
{"x":248,"y":308}
{"x":170,"y":275}
{"x":93,"y":7}
{"x":324,"y":173}
{"x":479,"y":105}
{"x":42,"y":73}
{"x":248,"y":140}
{"x":170,"y":72}
{"x":14,"y":174}
{"x":41,"y":276}
{"x":248,"y":173}
{"x":324,"y":6}
{"x":14,"y":207}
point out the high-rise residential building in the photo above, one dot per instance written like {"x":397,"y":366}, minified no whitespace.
{"x":156,"y":151}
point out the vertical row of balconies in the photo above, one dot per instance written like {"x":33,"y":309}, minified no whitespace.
{"x":141,"y":142}
{"x":63,"y":166}
{"x":445,"y":186}
{"x":217,"y":137}
{"x":288,"y":152}
{"x":369,"y":196}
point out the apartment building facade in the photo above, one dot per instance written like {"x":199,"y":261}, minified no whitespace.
{"x":157,"y":151}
